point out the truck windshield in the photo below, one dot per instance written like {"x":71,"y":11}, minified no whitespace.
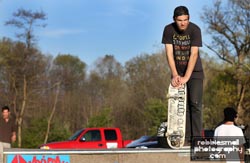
{"x":76,"y":134}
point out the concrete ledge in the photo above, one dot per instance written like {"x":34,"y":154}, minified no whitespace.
{"x":113,"y":155}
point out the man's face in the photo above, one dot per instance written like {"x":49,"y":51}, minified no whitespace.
{"x":182,"y":22}
{"x":5,"y":114}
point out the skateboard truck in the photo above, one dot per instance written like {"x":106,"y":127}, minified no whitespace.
{"x":176,"y":138}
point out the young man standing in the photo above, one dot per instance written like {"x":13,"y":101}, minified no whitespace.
{"x":7,"y":131}
{"x":182,"y":40}
{"x":228,"y":129}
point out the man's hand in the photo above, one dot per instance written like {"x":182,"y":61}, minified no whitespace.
{"x":175,"y":82}
{"x":13,"y":137}
{"x":183,"y":80}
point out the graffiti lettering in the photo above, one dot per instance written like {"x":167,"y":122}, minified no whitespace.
{"x":48,"y":160}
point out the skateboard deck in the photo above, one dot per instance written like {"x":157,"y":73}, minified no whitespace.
{"x":175,"y":134}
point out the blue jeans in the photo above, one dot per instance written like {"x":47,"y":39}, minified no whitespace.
{"x":194,"y":108}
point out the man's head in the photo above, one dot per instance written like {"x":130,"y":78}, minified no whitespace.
{"x":229,"y":114}
{"x":5,"y":112}
{"x":181,"y":17}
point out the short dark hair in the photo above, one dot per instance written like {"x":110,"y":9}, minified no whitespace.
{"x":5,"y":108}
{"x":229,"y":114}
{"x":180,"y":10}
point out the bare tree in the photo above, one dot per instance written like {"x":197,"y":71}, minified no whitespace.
{"x":106,"y":87}
{"x":70,"y":71}
{"x":25,"y":20}
{"x":147,"y":78}
{"x":229,"y":25}
{"x":57,"y":85}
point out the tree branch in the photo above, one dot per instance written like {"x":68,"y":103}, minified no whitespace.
{"x":52,"y":112}
{"x":219,"y":55}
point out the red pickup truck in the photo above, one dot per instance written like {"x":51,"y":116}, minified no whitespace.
{"x":91,"y":138}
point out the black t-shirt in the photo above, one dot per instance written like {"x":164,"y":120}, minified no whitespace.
{"x":182,"y":42}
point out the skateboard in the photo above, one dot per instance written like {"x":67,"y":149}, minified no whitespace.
{"x":175,"y":134}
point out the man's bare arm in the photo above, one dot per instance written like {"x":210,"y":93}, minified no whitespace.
{"x":191,"y":64}
{"x":171,"y":62}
